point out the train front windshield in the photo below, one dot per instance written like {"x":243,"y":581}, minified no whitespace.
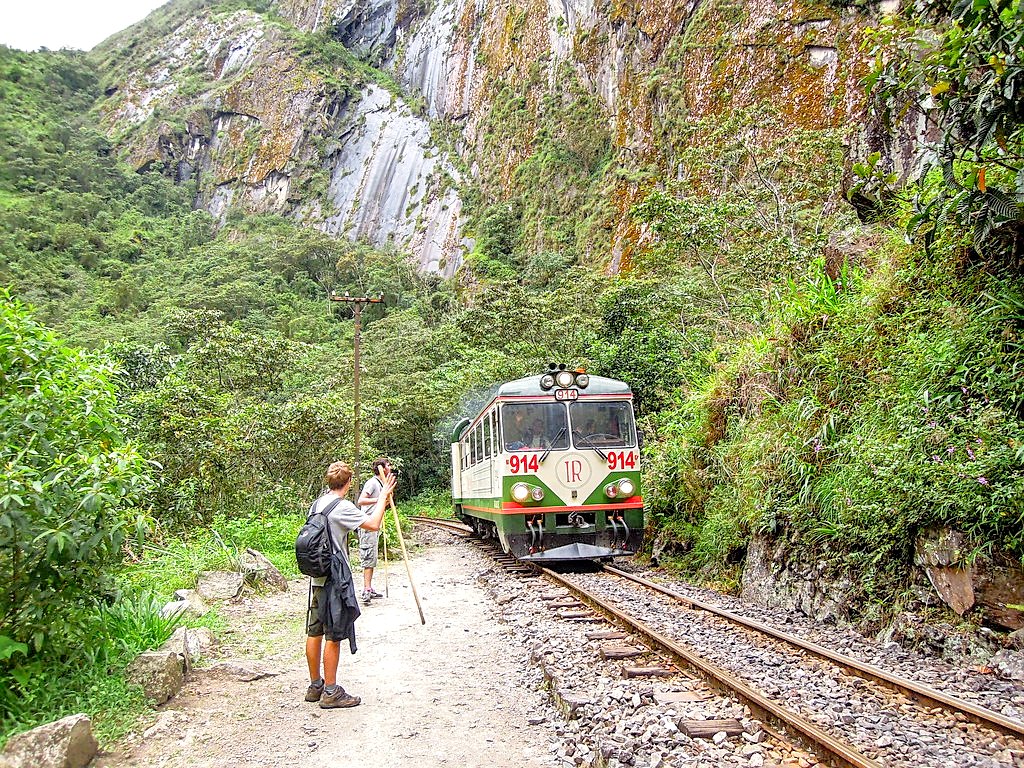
{"x":602,"y":424}
{"x":544,"y":426}
{"x":534,"y":426}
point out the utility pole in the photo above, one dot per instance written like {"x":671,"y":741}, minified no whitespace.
{"x":357,"y":305}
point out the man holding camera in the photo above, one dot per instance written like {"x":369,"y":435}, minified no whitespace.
{"x":369,"y":539}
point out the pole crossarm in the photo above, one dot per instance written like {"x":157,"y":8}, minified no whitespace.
{"x":358,"y":299}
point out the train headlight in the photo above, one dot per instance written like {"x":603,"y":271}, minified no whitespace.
{"x":520,"y":492}
{"x":611,"y":490}
{"x":547,"y":381}
{"x":582,"y":380}
{"x":565,"y":379}
{"x":626,"y":487}
{"x":537,"y":493}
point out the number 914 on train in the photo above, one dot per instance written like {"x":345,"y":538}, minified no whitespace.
{"x":550,"y":467}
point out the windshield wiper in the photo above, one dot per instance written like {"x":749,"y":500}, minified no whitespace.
{"x":552,"y":444}
{"x":584,"y":438}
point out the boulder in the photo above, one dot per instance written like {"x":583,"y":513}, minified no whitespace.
{"x":941,"y":552}
{"x":196,"y":605}
{"x":66,"y":743}
{"x":219,"y":585}
{"x":260,"y":572}
{"x":993,"y":586}
{"x":190,"y":644}
{"x":1009,"y":665}
{"x":188,"y":602}
{"x":160,"y":673}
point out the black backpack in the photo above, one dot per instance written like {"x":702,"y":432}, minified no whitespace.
{"x":314,"y":545}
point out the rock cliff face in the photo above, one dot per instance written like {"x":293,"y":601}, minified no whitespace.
{"x":261,"y":113}
{"x":233,"y":104}
{"x":657,"y":68}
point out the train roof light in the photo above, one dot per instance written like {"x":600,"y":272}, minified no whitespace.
{"x":547,"y":381}
{"x":582,"y":380}
{"x":565,"y":378}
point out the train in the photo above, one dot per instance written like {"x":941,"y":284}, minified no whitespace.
{"x":550,"y":468}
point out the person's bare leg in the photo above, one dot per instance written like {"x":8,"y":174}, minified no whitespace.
{"x":313,"y":647}
{"x":367,"y":579}
{"x":332,"y":654}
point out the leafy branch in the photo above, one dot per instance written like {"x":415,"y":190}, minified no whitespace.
{"x":956,"y":68}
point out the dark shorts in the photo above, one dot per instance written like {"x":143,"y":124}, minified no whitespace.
{"x":313,"y":626}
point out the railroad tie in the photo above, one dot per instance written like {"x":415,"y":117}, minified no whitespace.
{"x":561,"y":604}
{"x":621,"y":652}
{"x":668,"y":698}
{"x":649,"y":671}
{"x":581,"y":616}
{"x":706,"y":729}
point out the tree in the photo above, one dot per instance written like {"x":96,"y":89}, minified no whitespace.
{"x":968,"y":82}
{"x":67,"y":482}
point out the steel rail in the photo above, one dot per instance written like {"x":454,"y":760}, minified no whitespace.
{"x":909,"y":688}
{"x":453,"y":526}
{"x":839,"y":752}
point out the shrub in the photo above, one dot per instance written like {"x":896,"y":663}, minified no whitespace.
{"x":67,"y":482}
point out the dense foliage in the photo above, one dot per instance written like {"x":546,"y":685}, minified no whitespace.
{"x":68,"y":482}
{"x":958,"y":64}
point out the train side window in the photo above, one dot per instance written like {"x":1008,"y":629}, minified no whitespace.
{"x":472,"y":448}
{"x":478,"y":451}
{"x":487,"y":437}
{"x":496,"y":415}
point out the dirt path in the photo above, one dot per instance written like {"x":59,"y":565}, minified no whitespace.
{"x":447,"y":693}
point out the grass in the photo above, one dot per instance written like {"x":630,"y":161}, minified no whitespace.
{"x":39,"y":690}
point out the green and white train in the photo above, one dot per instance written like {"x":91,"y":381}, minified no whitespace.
{"x":550,"y":467}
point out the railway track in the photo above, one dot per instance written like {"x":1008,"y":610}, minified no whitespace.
{"x":923,"y":694}
{"x":451,"y":526}
{"x":846,"y":712}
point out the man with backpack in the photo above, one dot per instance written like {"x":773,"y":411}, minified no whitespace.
{"x":333,"y":608}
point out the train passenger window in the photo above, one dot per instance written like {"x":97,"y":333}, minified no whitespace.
{"x":487,"y":437}
{"x":478,"y":449}
{"x":602,"y":424}
{"x":472,"y":448}
{"x":534,"y":426}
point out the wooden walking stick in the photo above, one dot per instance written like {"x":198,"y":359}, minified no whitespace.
{"x":384,"y":528}
{"x":405,"y":556}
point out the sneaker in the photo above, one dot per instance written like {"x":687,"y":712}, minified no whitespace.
{"x":366,"y":596}
{"x":338,"y":700}
{"x":373,"y":593}
{"x":314,"y":691}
